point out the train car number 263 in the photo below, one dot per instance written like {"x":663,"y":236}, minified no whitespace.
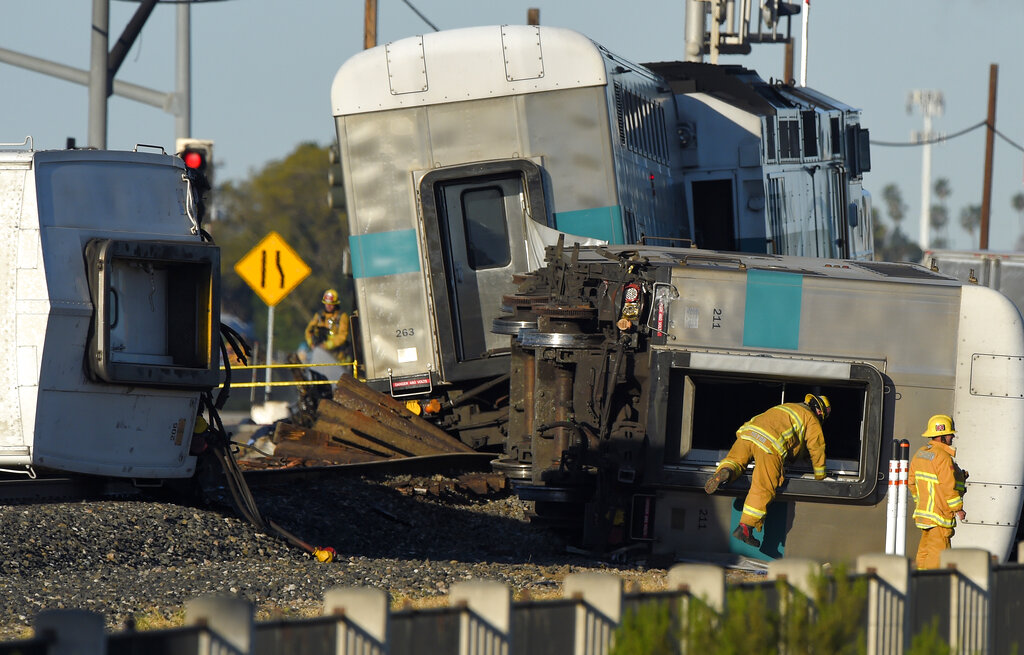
{"x":404,"y":332}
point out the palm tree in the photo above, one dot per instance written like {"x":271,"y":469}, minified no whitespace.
{"x":939,"y":218}
{"x":894,"y":204}
{"x":1017,"y":202}
{"x":942,"y":191}
{"x":970,"y":219}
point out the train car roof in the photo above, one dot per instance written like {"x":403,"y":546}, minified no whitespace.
{"x":834,"y":268}
{"x":466,"y":64}
{"x":741,"y":87}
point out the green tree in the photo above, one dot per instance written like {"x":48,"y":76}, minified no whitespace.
{"x":289,"y":197}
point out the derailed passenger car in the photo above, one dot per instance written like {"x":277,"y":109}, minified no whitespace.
{"x":110,"y":313}
{"x":637,"y":364}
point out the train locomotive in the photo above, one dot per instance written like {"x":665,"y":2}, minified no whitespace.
{"x":633,"y":367}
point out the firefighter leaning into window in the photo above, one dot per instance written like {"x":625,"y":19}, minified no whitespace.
{"x":783,"y":432}
{"x":937,"y":485}
{"x":329,"y":328}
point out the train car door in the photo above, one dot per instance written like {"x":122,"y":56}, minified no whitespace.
{"x":475,"y":218}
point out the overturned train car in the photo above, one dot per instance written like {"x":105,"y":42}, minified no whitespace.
{"x":111,"y":304}
{"x":637,"y":365}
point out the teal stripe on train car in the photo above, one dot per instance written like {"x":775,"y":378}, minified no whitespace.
{"x":772,"y":316}
{"x":384,"y":253}
{"x":603,"y":223}
{"x":772,"y":537}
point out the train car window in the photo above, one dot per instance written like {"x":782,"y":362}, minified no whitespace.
{"x":156,"y":308}
{"x":809,"y":121}
{"x":486,"y":229}
{"x":696,"y":422}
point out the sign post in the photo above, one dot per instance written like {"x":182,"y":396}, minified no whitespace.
{"x":273,"y":269}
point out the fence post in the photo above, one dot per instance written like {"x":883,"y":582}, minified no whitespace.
{"x":229,"y":618}
{"x":365,"y":628}
{"x":703,"y":581}
{"x":969,"y":598}
{"x":491,"y":601}
{"x":75,"y":632}
{"x":799,"y":572}
{"x":602,"y":592}
{"x":888,"y":603}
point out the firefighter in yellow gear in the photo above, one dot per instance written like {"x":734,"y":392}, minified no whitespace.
{"x":783,"y":432}
{"x":937,"y":485}
{"x":329,"y":328}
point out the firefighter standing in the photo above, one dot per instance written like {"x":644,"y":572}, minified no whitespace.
{"x":784,"y":431}
{"x":937,"y":485}
{"x":329,"y":328}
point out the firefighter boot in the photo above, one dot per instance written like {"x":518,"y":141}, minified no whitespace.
{"x":720,"y":477}
{"x":745,"y":533}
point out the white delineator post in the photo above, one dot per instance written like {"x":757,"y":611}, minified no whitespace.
{"x":890,"y":498}
{"x":901,"y":504}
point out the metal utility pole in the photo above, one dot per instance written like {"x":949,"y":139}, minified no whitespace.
{"x":370,"y":25}
{"x":931,"y":103}
{"x":183,"y":74}
{"x":98,"y":74}
{"x":990,"y":134}
{"x":803,"y":42}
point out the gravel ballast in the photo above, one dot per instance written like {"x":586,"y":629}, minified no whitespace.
{"x":141,"y":560}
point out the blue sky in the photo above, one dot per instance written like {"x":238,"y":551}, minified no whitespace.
{"x":262,"y":72}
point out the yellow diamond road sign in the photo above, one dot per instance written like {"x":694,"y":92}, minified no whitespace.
{"x":272,"y":269}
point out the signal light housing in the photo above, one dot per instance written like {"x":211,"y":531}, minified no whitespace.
{"x":197,"y":155}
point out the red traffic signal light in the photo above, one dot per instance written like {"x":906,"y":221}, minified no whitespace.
{"x":197,"y":155}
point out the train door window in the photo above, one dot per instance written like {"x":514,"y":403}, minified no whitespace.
{"x":486,"y":228}
{"x":713,"y":216}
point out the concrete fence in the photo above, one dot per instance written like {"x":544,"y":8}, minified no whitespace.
{"x":977,"y":605}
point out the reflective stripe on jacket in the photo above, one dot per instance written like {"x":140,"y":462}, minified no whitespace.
{"x":786,"y":430}
{"x":938,"y":494}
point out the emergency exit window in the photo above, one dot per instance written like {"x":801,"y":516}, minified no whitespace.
{"x":156,"y":312}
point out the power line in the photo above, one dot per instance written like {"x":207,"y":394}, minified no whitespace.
{"x":894,"y":144}
{"x":940,"y":139}
{"x":420,"y":14}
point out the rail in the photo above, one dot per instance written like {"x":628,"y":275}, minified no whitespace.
{"x":354,"y":365}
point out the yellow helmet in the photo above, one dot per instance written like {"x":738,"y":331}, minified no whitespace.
{"x":819,"y":405}
{"x":330,"y":297}
{"x":939,"y":425}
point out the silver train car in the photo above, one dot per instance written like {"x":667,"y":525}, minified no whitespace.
{"x":643,"y":362}
{"x":466,"y":152}
{"x":110,"y":313}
